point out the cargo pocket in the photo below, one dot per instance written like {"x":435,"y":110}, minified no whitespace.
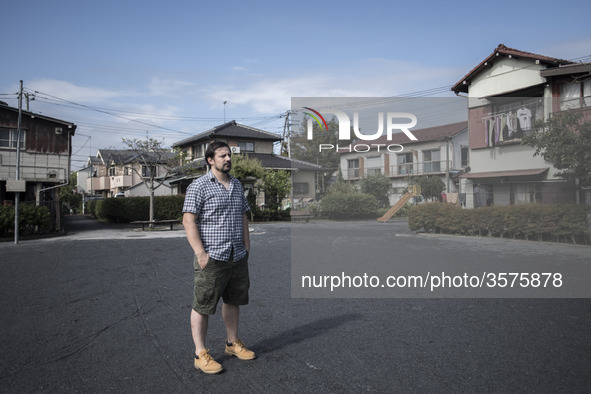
{"x":204,"y":284}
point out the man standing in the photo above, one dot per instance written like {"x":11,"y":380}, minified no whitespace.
{"x":214,"y":216}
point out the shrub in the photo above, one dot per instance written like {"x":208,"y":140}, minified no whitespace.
{"x":528,"y":221}
{"x":125,"y":210}
{"x":32,"y":220}
{"x":349,"y":206}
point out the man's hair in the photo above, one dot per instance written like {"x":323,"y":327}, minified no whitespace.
{"x":211,"y":148}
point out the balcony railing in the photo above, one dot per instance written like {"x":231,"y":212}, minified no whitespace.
{"x":98,"y":183}
{"x":426,"y":167}
{"x":121,"y":181}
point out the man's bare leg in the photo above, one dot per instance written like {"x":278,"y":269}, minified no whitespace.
{"x":199,"y":329}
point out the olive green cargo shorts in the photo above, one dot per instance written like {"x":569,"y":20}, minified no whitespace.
{"x":220,"y":279}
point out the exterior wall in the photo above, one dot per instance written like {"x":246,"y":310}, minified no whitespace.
{"x":506,"y":75}
{"x":308,"y":177}
{"x":507,"y":158}
{"x":142,"y":191}
{"x":108,"y":185}
{"x":263,"y":147}
{"x":35,"y":167}
{"x":387,"y":164}
{"x":260,"y":146}
{"x":82,"y":177}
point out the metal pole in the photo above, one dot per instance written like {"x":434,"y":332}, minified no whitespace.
{"x":18,"y":163}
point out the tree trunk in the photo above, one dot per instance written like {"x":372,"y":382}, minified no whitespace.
{"x":151,"y":203}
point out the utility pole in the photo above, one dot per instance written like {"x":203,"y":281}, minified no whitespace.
{"x":225,"y":111}
{"x":18,"y":163}
{"x":29,"y":97}
{"x":286,"y":143}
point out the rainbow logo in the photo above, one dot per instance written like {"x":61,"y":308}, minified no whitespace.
{"x":316,"y":119}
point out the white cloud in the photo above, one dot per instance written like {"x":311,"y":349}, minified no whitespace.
{"x":168,"y":87}
{"x":371,"y":78}
{"x":71,"y":92}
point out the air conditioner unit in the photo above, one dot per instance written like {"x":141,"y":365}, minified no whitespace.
{"x":235,"y":149}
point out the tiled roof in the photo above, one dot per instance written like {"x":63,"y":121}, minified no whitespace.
{"x":230,"y":130}
{"x":281,"y":162}
{"x":502,"y":50}
{"x":423,"y":135}
{"x":125,"y":156}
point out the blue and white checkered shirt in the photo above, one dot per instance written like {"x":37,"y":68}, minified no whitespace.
{"x":219,"y":215}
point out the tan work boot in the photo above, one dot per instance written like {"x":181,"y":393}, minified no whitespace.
{"x":206,"y":363}
{"x":238,"y":349}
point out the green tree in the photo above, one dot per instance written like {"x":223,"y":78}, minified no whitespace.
{"x":151,"y":155}
{"x":308,"y":150}
{"x":565,"y":141}
{"x":431,"y":186}
{"x":276,"y":185}
{"x":69,"y":196}
{"x":244,"y":167}
{"x":377,"y":185}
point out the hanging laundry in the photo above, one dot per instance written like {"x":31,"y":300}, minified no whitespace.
{"x":524,"y":116}
{"x":511,"y":123}
{"x":498,"y":129}
{"x":491,"y":135}
{"x":486,"y":131}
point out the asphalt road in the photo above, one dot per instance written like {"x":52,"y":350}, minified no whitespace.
{"x":106,"y":309}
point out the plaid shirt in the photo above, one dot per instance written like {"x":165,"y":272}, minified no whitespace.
{"x":219,"y":215}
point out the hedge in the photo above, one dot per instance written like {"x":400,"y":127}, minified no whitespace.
{"x":32,"y":220}
{"x":348,"y":206}
{"x":540,"y":222}
{"x":128,"y":209}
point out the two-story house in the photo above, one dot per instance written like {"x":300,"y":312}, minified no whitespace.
{"x":120,"y":171}
{"x":440,"y":151}
{"x":45,"y":150}
{"x":507,"y":92}
{"x":257,"y":144}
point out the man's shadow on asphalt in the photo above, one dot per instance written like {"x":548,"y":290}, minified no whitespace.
{"x":303,"y":332}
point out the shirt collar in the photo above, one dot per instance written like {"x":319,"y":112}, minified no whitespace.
{"x":212,"y":177}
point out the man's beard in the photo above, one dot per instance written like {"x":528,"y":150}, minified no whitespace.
{"x":226,"y":167}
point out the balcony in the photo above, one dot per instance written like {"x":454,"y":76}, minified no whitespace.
{"x":121,"y":181}
{"x":98,"y":183}
{"x":420,"y":168}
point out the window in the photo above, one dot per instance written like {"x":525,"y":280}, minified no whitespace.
{"x":148,"y":171}
{"x":575,"y":95}
{"x":353,"y":168}
{"x":198,"y":151}
{"x":373,"y":165}
{"x":525,"y":193}
{"x":246,"y":146}
{"x":404,"y":161}
{"x":301,"y":187}
{"x":483,"y":196}
{"x":464,"y":158}
{"x":431,"y":159}
{"x":112,"y":171}
{"x":8,"y":138}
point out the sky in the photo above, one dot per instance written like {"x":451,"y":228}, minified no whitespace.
{"x":131,"y":69}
